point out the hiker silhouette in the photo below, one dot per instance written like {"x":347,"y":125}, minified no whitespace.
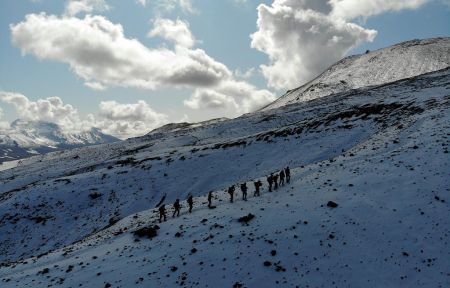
{"x":176,"y":208}
{"x":258,"y":185}
{"x":287,"y":171}
{"x":231,"y":193}
{"x":244,"y":191}
{"x":162,"y":213}
{"x":270,"y":181}
{"x":190,"y":202}
{"x":210,"y":196}
{"x":282,"y":175}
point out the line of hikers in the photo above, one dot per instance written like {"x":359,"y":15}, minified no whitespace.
{"x":274,"y":180}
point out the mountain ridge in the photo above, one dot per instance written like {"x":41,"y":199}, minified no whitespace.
{"x":385,"y":65}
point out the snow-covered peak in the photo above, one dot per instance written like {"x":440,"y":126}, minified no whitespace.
{"x":35,"y":133}
{"x":400,"y":61}
{"x":25,"y":138}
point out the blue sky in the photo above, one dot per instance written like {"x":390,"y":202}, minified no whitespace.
{"x":221,"y":31}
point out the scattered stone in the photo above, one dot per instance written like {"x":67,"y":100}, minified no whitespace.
{"x":149,"y":232}
{"x":332,"y":204}
{"x":279,"y":268}
{"x":246,"y":219}
{"x":95,"y":195}
{"x":44,"y":271}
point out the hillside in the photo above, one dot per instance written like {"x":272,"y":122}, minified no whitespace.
{"x":380,"y":153}
{"x":400,"y":61}
{"x":28,"y":138}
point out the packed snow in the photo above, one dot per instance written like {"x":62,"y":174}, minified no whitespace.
{"x":380,"y":153}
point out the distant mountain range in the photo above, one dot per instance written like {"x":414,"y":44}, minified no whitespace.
{"x":27,"y":138}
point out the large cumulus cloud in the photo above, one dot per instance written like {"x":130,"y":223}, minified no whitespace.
{"x":98,"y":51}
{"x":303,"y":37}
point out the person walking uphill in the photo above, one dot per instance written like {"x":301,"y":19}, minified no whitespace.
{"x":275,"y":181}
{"x":270,"y":181}
{"x":162,"y":212}
{"x":287,"y":171}
{"x":258,"y":185}
{"x":176,"y":208}
{"x":231,"y":193}
{"x":190,"y":202}
{"x":282,"y":175}
{"x":244,"y":191}
{"x":210,"y":196}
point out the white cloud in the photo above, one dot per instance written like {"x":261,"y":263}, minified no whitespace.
{"x":303,"y":37}
{"x":51,"y":109}
{"x":120,"y":120}
{"x":98,"y":51}
{"x":142,"y":2}
{"x":302,"y":40}
{"x":240,"y":1}
{"x":95,"y":86}
{"x":186,"y":5}
{"x":210,"y":99}
{"x":74,"y":7}
{"x":129,"y":120}
{"x":231,"y":98}
{"x":165,"y":6}
{"x":350,"y":9}
{"x":3,"y":124}
{"x":245,"y":74}
{"x":176,"y":31}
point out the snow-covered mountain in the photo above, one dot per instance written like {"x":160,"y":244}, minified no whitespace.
{"x":27,"y":138}
{"x":404,"y":60}
{"x":380,"y":153}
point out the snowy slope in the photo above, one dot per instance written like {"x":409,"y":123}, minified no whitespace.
{"x":381,"y":153}
{"x":27,"y":138}
{"x":404,"y":60}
